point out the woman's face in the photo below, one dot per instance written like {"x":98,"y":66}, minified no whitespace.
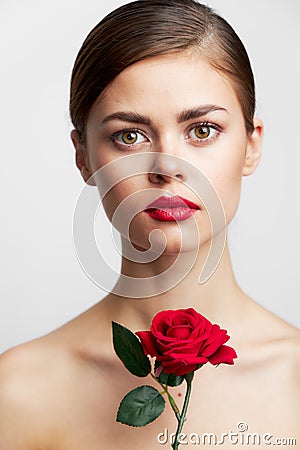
{"x":180,"y":106}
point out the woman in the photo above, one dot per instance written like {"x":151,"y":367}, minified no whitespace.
{"x":169,"y":84}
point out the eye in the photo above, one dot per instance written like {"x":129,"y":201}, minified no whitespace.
{"x":203,"y":132}
{"x":129,"y":137}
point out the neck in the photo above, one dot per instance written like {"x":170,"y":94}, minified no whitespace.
{"x":218,"y":299}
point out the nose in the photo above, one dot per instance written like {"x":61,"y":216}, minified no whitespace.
{"x":167,"y":167}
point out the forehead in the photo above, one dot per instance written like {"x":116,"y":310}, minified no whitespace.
{"x":167,"y":84}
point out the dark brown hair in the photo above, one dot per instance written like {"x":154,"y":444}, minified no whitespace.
{"x":144,"y":28}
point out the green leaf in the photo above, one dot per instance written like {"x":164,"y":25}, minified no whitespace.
{"x":189,"y":377}
{"x":141,"y":406}
{"x":170,"y":379}
{"x":130,"y":351}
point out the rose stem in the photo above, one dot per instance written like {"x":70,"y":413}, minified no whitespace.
{"x":188,"y":379}
{"x":171,"y":399}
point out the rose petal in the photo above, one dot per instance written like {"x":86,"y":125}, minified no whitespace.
{"x":180,"y":332}
{"x":218,"y":337}
{"x":148,"y":342}
{"x":162,"y":321}
{"x":179,"y":368}
{"x":189,"y":359}
{"x":181,"y":320}
{"x":224,"y":354}
{"x":172,"y":342}
{"x":187,"y":346}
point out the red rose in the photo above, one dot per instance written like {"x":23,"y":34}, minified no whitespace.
{"x":182,"y":339}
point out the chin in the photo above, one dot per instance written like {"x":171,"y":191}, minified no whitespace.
{"x":171,"y":240}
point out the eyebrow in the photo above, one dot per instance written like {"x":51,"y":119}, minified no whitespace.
{"x":198,"y":111}
{"x":184,"y":116}
{"x":127,"y":116}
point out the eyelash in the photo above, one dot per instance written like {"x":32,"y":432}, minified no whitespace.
{"x":127,"y":147}
{"x":217,"y":128}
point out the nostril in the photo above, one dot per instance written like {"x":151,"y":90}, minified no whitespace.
{"x":158,"y":176}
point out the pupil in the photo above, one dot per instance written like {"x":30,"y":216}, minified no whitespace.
{"x":203,"y":132}
{"x":129,"y":137}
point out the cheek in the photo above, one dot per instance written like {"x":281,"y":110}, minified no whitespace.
{"x":98,"y":159}
{"x":123,"y":195}
{"x":122,"y":209}
{"x":225,"y":173}
{"x":229,"y":190}
{"x":228,"y":185}
{"x":113,"y":198}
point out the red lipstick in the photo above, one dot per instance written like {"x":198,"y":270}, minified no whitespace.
{"x":171,"y":209}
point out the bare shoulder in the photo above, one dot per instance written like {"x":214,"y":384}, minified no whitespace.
{"x":285,"y":366}
{"x":279,"y":342}
{"x":31,"y":376}
{"x":286,"y":337}
{"x":46,"y":384}
{"x":269,"y":341}
{"x":291,"y":345}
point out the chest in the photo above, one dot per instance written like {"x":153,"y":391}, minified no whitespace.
{"x":225,"y":405}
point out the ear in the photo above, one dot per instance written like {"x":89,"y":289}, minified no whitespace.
{"x":81,"y":158}
{"x":253,"y":151}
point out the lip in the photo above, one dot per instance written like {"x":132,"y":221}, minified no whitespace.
{"x":176,"y":201}
{"x":171,"y":209}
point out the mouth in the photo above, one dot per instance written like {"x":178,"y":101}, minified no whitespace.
{"x":168,"y":209}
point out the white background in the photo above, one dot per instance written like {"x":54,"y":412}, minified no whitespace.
{"x":42,"y":283}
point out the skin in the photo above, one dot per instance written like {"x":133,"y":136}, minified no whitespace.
{"x":62,"y":391}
